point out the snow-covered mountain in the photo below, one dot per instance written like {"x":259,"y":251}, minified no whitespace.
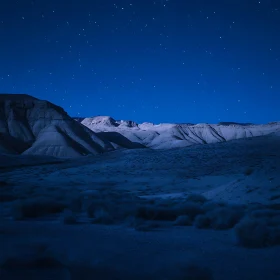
{"x":168,"y":135}
{"x":36,"y":127}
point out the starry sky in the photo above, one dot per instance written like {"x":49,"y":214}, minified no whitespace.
{"x":146,"y":60}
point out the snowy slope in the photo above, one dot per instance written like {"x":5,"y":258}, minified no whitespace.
{"x":165,"y":136}
{"x":36,"y":127}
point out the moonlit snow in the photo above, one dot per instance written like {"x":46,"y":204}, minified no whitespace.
{"x":168,"y":135}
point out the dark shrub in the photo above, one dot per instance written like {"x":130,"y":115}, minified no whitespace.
{"x":156,"y":213}
{"x":219,"y":217}
{"x":197,"y":198}
{"x":124,"y":211}
{"x":33,"y":208}
{"x":202,"y":221}
{"x":225,"y":217}
{"x":101,"y":216}
{"x":252,"y":233}
{"x":190,"y":209}
{"x":248,"y":171}
{"x":274,"y":206}
{"x":42,"y":265}
{"x":98,"y":204}
{"x":183,"y":220}
{"x":275,"y":197}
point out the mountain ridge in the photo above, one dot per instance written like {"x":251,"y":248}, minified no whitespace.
{"x":225,"y":123}
{"x":39,"y":127}
{"x":174,"y":135}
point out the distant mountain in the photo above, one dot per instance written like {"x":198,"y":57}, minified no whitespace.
{"x":36,"y":127}
{"x":168,"y":135}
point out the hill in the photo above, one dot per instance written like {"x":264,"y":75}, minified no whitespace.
{"x":36,"y":127}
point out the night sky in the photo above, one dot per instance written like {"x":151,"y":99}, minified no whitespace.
{"x":146,"y":60}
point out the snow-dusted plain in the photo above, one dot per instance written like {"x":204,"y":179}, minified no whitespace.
{"x":239,"y":171}
{"x":113,"y":213}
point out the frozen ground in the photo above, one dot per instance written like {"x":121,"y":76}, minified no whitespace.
{"x":240,"y":171}
{"x":245,"y":170}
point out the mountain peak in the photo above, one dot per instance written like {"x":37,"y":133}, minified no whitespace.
{"x":37,"y":127}
{"x":100,"y":121}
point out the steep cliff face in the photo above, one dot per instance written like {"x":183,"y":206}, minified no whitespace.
{"x":32,"y":126}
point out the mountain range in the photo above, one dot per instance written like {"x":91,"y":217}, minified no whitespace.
{"x":36,"y":127}
{"x":168,"y":135}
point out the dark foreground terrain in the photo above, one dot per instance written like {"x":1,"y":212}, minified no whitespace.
{"x":205,"y":212}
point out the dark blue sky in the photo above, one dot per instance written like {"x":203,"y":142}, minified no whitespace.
{"x":158,"y":61}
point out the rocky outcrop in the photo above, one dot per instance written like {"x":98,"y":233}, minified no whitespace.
{"x":37,"y":127}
